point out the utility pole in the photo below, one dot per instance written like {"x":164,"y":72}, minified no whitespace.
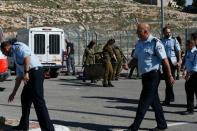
{"x":162,"y":17}
{"x":86,"y":35}
{"x":29,"y":21}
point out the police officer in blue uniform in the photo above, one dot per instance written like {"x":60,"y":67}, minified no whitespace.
{"x":149,"y":53}
{"x":190,"y":75}
{"x":173,"y":52}
{"x":29,"y":70}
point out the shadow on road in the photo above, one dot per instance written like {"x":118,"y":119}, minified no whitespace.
{"x":114,"y":99}
{"x":76,"y":82}
{"x":99,"y":127}
{"x":131,"y":101}
{"x":178,"y":105}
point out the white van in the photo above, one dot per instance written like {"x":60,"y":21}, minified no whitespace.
{"x":48,"y":44}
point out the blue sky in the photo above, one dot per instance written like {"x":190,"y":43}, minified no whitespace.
{"x":189,"y":2}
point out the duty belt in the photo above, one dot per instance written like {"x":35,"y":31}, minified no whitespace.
{"x":35,"y":68}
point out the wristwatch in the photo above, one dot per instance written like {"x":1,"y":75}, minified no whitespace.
{"x":26,"y":72}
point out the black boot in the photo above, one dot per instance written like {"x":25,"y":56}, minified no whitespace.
{"x":105,"y":85}
{"x":110,"y":84}
{"x":18,"y":128}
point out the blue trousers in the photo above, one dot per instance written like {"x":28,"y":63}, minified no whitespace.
{"x":149,"y":97}
{"x":71,"y":63}
{"x":33,"y":93}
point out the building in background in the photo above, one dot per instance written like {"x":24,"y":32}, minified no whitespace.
{"x":154,"y":2}
{"x":150,"y":2}
{"x":68,"y":1}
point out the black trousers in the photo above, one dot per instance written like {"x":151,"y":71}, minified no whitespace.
{"x":190,"y":89}
{"x":33,"y":93}
{"x":149,"y":97}
{"x":169,"y":92}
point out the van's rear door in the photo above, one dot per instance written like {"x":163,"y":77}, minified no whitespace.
{"x":39,"y":45}
{"x":54,"y":49}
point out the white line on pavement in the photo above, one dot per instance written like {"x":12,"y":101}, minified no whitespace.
{"x":178,"y":124}
{"x":57,"y":128}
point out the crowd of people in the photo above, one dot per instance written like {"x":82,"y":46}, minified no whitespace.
{"x":111,"y":57}
{"x":149,"y":57}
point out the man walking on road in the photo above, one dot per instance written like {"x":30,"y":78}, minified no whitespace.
{"x":29,"y":70}
{"x":190,"y":75}
{"x":173,"y":52}
{"x":149,"y":53}
{"x":70,"y":57}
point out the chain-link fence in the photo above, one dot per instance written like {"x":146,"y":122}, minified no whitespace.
{"x":125,"y":39}
{"x":189,"y":31}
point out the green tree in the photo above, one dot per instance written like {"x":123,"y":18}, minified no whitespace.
{"x":181,"y":2}
{"x":194,"y":3}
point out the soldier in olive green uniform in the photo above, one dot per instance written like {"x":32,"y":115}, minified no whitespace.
{"x":109,"y":56}
{"x":88,"y":58}
{"x":120,"y":59}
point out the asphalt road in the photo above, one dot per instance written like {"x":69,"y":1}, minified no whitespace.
{"x":91,"y":107}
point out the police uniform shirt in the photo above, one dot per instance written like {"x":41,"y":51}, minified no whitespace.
{"x":171,"y":46}
{"x":19,"y":52}
{"x":191,"y":60}
{"x":149,"y":54}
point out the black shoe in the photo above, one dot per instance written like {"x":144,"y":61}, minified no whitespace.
{"x":158,"y":129}
{"x":68,"y":73}
{"x":177,"y":78}
{"x":187,"y":113}
{"x":172,"y":100}
{"x":129,"y":77}
{"x":93,"y":81}
{"x":128,"y":129}
{"x":84,"y":80}
{"x":165,"y":103}
{"x":110,"y":85}
{"x":18,"y":128}
{"x":195,"y":107}
{"x":116,"y":79}
{"x":105,"y":85}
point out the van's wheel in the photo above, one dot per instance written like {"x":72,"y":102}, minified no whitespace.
{"x":54,"y":74}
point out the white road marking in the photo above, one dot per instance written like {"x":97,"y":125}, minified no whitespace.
{"x":178,"y":124}
{"x":57,"y":128}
